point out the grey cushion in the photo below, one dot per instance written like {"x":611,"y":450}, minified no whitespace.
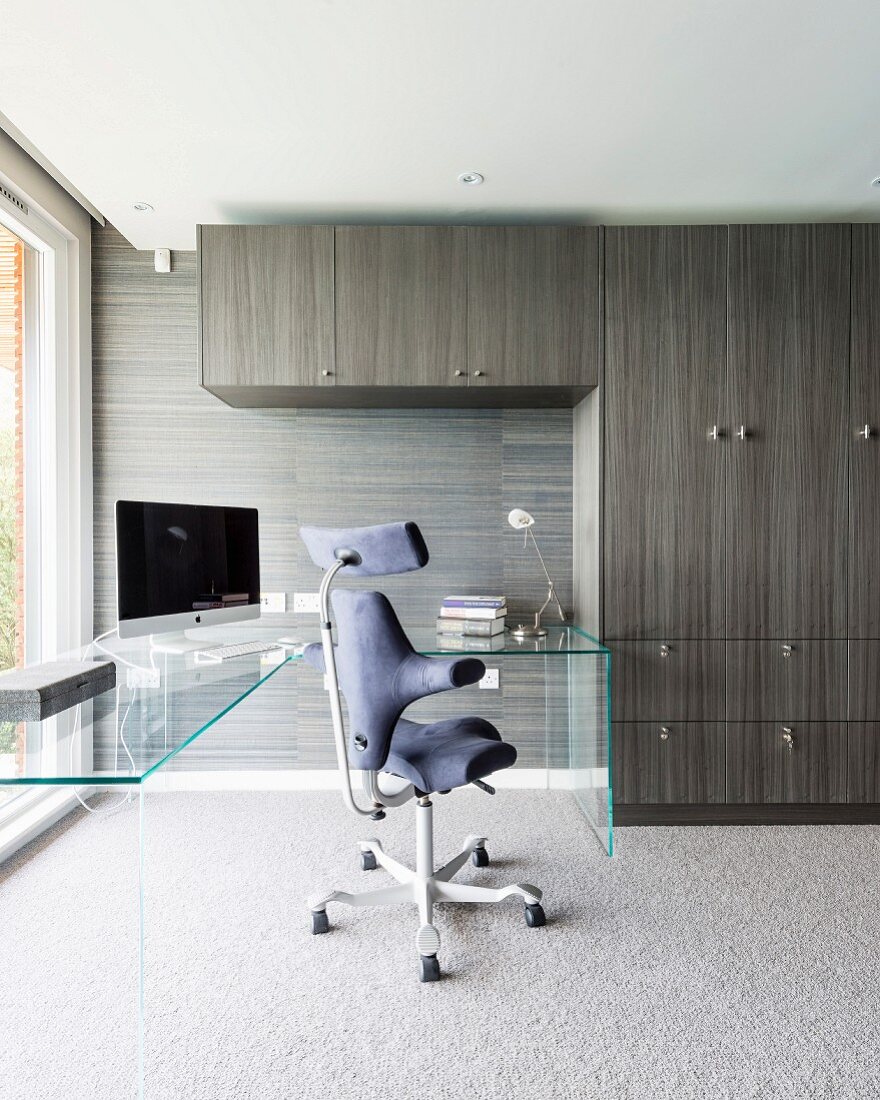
{"x":41,"y":691}
{"x":447,"y":754}
{"x":384,"y":549}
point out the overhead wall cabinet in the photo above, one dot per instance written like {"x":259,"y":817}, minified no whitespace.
{"x":741,"y":459}
{"x":396,"y":316}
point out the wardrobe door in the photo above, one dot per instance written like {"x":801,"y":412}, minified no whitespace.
{"x":864,"y":435}
{"x":669,"y":763}
{"x":665,"y":355}
{"x":786,"y":681}
{"x":668,"y":681}
{"x":788,"y":364}
{"x":782,"y":762}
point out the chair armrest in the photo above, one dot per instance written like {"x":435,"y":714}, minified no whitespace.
{"x":419,"y":676}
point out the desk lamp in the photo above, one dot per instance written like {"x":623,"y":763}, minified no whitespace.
{"x":522,"y":521}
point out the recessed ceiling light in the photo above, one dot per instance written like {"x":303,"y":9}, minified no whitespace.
{"x":470,"y":179}
{"x":143,"y":207}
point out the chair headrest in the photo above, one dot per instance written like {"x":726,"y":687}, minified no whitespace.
{"x":382,"y":550}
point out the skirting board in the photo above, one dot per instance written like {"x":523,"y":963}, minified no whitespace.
{"x":328,"y":780}
{"x":757,"y":814}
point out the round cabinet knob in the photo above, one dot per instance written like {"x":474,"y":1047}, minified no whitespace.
{"x":478,"y":374}
{"x":664,"y":651}
{"x":787,"y":650}
{"x":664,"y":733}
{"x":459,"y":373}
{"x":788,"y":737}
{"x":326,"y":373}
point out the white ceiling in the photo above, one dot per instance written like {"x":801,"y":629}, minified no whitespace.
{"x":367,"y":110}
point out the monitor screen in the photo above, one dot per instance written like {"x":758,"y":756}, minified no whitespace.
{"x":188,"y":560}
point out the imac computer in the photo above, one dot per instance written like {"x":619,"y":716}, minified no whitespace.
{"x":184,"y":566}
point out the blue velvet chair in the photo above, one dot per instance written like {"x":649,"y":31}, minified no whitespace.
{"x":378,"y":673}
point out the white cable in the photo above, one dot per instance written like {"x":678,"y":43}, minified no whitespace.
{"x":120,"y":737}
{"x":95,"y":642}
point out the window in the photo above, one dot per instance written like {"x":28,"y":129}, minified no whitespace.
{"x":45,"y":457}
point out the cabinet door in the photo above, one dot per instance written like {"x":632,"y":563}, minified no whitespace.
{"x":667,"y":682}
{"x":401,"y":302}
{"x":864,"y":540}
{"x":533,"y":306}
{"x":681,"y":763}
{"x":788,"y":681}
{"x":665,"y":354}
{"x":266,"y":305}
{"x":788,"y":365}
{"x":863,"y":762}
{"x":864,"y":681}
{"x":800,"y":762}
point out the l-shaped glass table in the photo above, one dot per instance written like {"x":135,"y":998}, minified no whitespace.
{"x":173,"y":724}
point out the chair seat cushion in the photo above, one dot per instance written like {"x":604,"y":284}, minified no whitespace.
{"x":447,"y":754}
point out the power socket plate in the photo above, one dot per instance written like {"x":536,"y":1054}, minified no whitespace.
{"x":273,"y":603}
{"x":306,"y":603}
{"x":142,"y":678}
{"x":491,"y":679}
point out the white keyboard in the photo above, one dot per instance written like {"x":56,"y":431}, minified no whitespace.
{"x":239,"y":649}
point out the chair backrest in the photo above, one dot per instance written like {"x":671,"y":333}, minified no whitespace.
{"x":371,"y":655}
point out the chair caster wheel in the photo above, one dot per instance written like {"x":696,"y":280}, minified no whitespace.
{"x":535,"y":917}
{"x":480,"y":857}
{"x":320,"y":923}
{"x":429,"y":968}
{"x":368,"y":861}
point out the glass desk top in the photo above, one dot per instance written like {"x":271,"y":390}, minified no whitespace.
{"x":149,"y":724}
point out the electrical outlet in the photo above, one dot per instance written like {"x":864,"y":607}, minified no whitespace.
{"x":306,"y":603}
{"x":491,"y":678}
{"x":273,"y":603}
{"x":142,"y":678}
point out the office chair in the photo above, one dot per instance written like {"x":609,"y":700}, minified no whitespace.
{"x":379,"y":674}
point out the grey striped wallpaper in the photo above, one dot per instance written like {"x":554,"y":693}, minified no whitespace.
{"x":457,"y":473}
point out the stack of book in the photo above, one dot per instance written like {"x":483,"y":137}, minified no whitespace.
{"x":472,"y":617}
{"x":210,"y":600}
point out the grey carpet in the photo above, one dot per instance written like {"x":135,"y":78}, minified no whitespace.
{"x":698,"y":963}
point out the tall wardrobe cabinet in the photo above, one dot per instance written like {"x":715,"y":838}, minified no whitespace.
{"x":730,"y":488}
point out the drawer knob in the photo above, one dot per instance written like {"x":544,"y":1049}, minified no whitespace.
{"x":326,"y":373}
{"x":788,"y":737}
{"x":664,"y":651}
{"x":787,"y":650}
{"x":664,"y":733}
{"x":478,"y":374}
{"x":865,"y":433}
{"x":458,"y":373}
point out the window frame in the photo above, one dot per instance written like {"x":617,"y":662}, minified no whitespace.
{"x":57,"y":430}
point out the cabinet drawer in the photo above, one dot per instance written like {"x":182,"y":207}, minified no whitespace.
{"x":670,"y":682}
{"x":764,"y":766}
{"x":864,"y":681}
{"x":786,"y":681}
{"x":677,"y":763}
{"x":863,"y":762}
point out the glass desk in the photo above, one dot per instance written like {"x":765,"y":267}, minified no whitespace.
{"x":172,"y":724}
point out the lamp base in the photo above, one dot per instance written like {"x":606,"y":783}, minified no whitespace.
{"x":528,"y":632}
